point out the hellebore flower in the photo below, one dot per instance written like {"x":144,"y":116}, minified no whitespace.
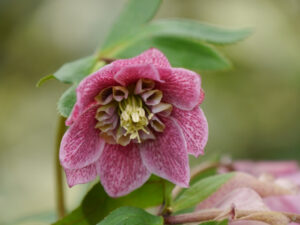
{"x":132,"y":118}
{"x":246,"y":199}
{"x":267,"y":186}
{"x":285,"y":174}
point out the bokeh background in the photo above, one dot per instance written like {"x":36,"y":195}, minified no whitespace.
{"x":253,"y":110}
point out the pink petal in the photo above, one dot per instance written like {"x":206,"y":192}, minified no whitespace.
{"x":90,"y":87}
{"x":248,"y":199}
{"x":152,"y":56}
{"x":121,"y":169}
{"x":195,"y":129}
{"x":293,"y":177}
{"x":286,"y":184}
{"x":166,"y":156}
{"x":202,"y":96}
{"x":81,"y":144}
{"x":242,"y":199}
{"x":240,"y":180}
{"x":286,"y":203}
{"x":81,"y":176}
{"x":73,"y":116}
{"x":247,"y":222}
{"x":181,"y":88}
{"x":276,"y":169}
{"x":131,"y":74}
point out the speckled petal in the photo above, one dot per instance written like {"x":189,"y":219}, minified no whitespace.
{"x":82,"y":175}
{"x":121,"y":169}
{"x":166,"y":156}
{"x":181,"y":88}
{"x":131,"y":74}
{"x":152,"y":56}
{"x":81,"y":144}
{"x":90,"y":87}
{"x":195,"y":129}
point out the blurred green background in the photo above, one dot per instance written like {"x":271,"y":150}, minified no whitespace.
{"x":253,"y":110}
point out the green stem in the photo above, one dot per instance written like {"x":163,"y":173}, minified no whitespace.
{"x":167,"y":195}
{"x":60,"y":202}
{"x":167,"y":200}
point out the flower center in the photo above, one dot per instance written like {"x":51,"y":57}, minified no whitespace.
{"x":133,"y":117}
{"x":131,"y":114}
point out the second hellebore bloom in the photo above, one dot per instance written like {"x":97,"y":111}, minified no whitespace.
{"x":132,"y":118}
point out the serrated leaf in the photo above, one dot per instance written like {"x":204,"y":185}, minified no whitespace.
{"x":134,"y":14}
{"x":195,"y":30}
{"x":181,"y":53}
{"x":200,"y":191}
{"x":74,"y":72}
{"x":67,"y":101}
{"x":131,"y":216}
{"x":224,"y":222}
{"x":97,"y":204}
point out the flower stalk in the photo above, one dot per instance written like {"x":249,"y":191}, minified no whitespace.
{"x":60,"y":202}
{"x":165,"y":209}
{"x":272,"y":217}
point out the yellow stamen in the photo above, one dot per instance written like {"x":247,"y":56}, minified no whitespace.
{"x":133,"y":116}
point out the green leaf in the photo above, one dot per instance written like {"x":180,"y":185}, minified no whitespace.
{"x":134,"y":14}
{"x":67,"y":101}
{"x":204,"y":174}
{"x":207,"y":173}
{"x":181,"y":53}
{"x":195,"y":30}
{"x":44,"y":79}
{"x":131,"y":216}
{"x":74,"y":72}
{"x":200,"y":191}
{"x":224,"y":222}
{"x":97,"y":204}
